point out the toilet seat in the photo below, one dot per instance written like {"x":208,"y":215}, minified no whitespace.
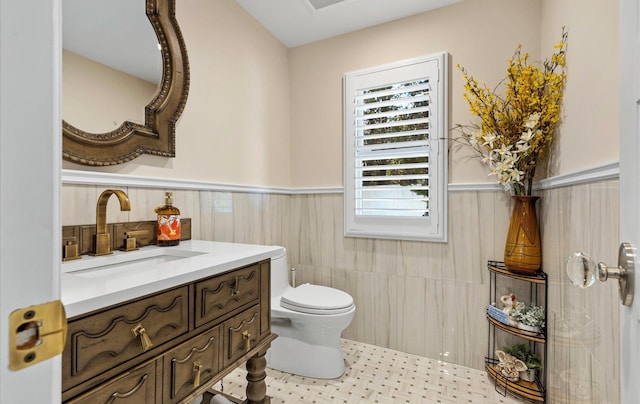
{"x":315,"y":299}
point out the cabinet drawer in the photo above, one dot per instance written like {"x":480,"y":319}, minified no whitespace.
{"x":240,"y":334}
{"x":198,"y":357}
{"x":104,"y":340}
{"x":134,"y":387}
{"x":221,"y":295}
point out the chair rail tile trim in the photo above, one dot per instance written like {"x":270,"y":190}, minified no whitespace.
{"x":595,"y":174}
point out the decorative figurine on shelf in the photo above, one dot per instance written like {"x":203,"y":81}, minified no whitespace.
{"x":509,"y":366}
{"x":509,"y":301}
{"x":532,"y":360}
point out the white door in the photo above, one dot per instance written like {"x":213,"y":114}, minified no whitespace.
{"x":630,"y":188}
{"x":30,"y":154}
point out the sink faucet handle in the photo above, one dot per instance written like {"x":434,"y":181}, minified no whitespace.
{"x":130,"y":242}
{"x":132,"y":233}
{"x":70,"y":249}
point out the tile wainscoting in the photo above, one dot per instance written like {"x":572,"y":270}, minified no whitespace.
{"x":584,"y":330}
{"x":426,"y":299}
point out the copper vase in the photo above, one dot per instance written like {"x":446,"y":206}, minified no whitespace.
{"x":522,"y":251}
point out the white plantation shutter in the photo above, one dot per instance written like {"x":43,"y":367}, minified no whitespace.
{"x":395,"y":159}
{"x":392,"y":149}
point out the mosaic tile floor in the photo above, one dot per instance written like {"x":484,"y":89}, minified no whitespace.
{"x":378,"y":375}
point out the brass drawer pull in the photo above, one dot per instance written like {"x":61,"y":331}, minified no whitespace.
{"x":236,"y":286}
{"x":247,"y":340}
{"x":140,"y":331}
{"x":197,"y":368}
{"x":116,"y":395}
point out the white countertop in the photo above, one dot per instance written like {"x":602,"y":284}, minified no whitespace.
{"x":92,"y":283}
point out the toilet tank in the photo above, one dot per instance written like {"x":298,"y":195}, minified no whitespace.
{"x":279,"y":275}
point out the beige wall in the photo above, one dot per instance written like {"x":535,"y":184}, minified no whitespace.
{"x":589,"y":133}
{"x":261,"y":114}
{"x":478,"y":34}
{"x":235,"y":126}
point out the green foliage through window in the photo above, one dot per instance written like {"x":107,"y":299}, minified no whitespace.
{"x":393,"y":148}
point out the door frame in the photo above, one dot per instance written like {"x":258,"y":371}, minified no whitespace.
{"x":30,"y":166}
{"x":630,"y":189}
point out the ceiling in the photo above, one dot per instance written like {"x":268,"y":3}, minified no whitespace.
{"x":118,"y":34}
{"x":298,"y":22}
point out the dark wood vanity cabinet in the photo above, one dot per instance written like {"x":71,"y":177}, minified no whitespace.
{"x":239,"y":334}
{"x":172,"y":346}
{"x":103,"y":341}
{"x":138,"y":385}
{"x":192,"y":363}
{"x":222,"y":296}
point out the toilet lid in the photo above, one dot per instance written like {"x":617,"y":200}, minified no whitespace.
{"x":315,"y":299}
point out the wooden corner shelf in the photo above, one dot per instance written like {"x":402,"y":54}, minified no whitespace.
{"x":538,"y":295}
{"x":499,"y":267}
{"x":529,"y":390}
{"x":531,"y":336}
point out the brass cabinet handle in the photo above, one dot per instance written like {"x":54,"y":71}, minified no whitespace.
{"x":197,"y":368}
{"x":247,"y":340}
{"x":236,"y":286}
{"x":116,"y":395}
{"x":140,"y":331}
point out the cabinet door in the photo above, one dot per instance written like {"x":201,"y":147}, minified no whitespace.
{"x":220,"y":296}
{"x":100,"y":342}
{"x":191,"y":365}
{"x":240,"y":334}
{"x":134,"y":387}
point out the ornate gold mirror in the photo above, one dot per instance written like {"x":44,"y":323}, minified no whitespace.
{"x":153,"y":133}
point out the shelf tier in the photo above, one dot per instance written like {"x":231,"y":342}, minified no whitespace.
{"x":522,"y":388}
{"x":531,"y":336}
{"x":500,"y":268}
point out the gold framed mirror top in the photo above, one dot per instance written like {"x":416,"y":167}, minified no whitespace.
{"x":157,"y":135}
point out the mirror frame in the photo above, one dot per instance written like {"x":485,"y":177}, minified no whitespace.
{"x":157,"y":135}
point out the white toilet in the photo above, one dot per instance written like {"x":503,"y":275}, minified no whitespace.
{"x":309,"y":320}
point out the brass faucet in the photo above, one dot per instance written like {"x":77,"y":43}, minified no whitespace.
{"x":102,"y":239}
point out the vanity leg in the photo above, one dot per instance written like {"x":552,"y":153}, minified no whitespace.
{"x":207,"y":396}
{"x":256,"y":386}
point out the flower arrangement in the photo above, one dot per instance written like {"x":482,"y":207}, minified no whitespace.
{"x":515,"y":131}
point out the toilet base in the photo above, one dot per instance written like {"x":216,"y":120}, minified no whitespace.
{"x":304,"y":359}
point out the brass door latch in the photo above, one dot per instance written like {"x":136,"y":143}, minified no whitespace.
{"x":37,"y":333}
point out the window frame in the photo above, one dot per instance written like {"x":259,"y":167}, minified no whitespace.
{"x":434,"y":227}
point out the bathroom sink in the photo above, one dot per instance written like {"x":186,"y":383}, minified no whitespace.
{"x":93,"y":283}
{"x":119,"y":261}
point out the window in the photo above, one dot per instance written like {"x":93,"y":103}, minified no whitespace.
{"x":395,"y":151}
